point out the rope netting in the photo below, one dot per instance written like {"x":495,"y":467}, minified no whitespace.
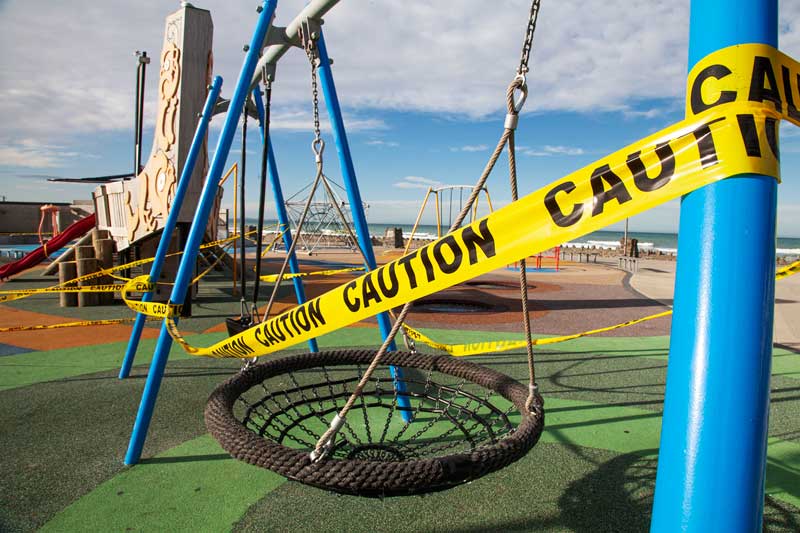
{"x":466,"y":421}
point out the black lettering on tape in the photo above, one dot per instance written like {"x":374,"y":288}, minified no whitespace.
{"x":696,"y":96}
{"x":771,"y":125}
{"x":389,"y":291}
{"x":301,"y":318}
{"x":455,"y":249}
{"x":406,"y":262}
{"x":763,"y":75}
{"x":269,"y":336}
{"x":551,"y":203}
{"x":426,"y":261}
{"x":705,"y":144}
{"x":791,"y":109}
{"x":483,"y":240}
{"x":368,"y":291}
{"x":283,"y":318}
{"x":618,"y":192}
{"x":314,"y":314}
{"x":276,"y":330}
{"x":645,"y":183}
{"x":261,"y":338}
{"x":747,"y":127}
{"x":354,"y":304}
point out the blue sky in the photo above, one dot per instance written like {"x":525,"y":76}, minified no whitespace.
{"x":422,"y":85}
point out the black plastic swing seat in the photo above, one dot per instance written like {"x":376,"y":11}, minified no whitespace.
{"x":238,"y":324}
{"x":465,"y":421}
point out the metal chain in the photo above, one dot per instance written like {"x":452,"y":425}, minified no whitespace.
{"x":527,"y":44}
{"x":313,"y":58}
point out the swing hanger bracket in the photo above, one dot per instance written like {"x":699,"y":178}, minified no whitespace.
{"x":268,"y":73}
{"x":309,"y":33}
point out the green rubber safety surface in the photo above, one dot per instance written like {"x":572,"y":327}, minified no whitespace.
{"x":166,"y":492}
{"x":70,"y":420}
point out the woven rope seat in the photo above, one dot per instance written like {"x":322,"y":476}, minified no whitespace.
{"x":467,"y":421}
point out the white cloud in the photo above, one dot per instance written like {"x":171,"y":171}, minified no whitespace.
{"x":379,"y":142}
{"x":549,"y":150}
{"x":71,"y":69}
{"x":302,"y":120}
{"x":470,"y":148}
{"x":29,"y":153}
{"x":416,"y":182}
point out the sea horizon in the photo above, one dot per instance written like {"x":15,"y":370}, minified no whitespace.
{"x":664,"y":242}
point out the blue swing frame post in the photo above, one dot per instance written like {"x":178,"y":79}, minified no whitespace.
{"x":172,"y":219}
{"x":356,"y":204}
{"x":280,"y":207}
{"x":712,"y":458}
{"x":186,"y":268}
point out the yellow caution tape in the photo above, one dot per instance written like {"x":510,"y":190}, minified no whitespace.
{"x":460,"y":350}
{"x":7,"y":296}
{"x":271,"y":244}
{"x":788,"y":270}
{"x":718,"y":142}
{"x":274,"y":277}
{"x":55,"y":290}
{"x":107,"y":322}
{"x":154,"y":309}
{"x":476,"y":348}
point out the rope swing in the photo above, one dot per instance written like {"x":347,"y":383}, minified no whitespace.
{"x":291,"y":415}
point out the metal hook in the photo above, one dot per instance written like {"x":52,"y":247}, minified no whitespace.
{"x":519,"y":100}
{"x":318,"y":146}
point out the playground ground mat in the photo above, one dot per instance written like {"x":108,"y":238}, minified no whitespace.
{"x":66,"y":419}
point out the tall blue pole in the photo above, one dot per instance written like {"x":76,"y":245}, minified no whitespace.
{"x":172,"y":219}
{"x":354,"y":197}
{"x":712,"y":458}
{"x":186,"y":268}
{"x":283,"y":216}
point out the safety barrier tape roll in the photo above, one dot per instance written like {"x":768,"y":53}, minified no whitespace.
{"x":733,"y":132}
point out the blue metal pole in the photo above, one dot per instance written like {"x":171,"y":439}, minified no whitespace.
{"x":186,"y":268}
{"x":172,"y":219}
{"x":354,"y":197}
{"x":712,"y":459}
{"x":283,"y":217}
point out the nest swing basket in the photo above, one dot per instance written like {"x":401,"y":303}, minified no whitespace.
{"x":465,"y":421}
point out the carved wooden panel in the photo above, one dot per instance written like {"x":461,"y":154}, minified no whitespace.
{"x":184,"y":68}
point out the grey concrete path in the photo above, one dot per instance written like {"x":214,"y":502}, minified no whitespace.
{"x":655,"y":279}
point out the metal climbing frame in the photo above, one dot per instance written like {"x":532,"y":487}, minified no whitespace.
{"x":438,"y":194}
{"x":326,"y":229}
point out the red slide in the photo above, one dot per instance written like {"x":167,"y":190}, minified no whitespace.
{"x":35,"y":257}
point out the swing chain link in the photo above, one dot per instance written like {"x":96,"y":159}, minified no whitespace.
{"x":310,"y":44}
{"x":518,"y":89}
{"x":527,"y":44}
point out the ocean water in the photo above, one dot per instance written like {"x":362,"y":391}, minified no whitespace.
{"x":666,"y":243}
